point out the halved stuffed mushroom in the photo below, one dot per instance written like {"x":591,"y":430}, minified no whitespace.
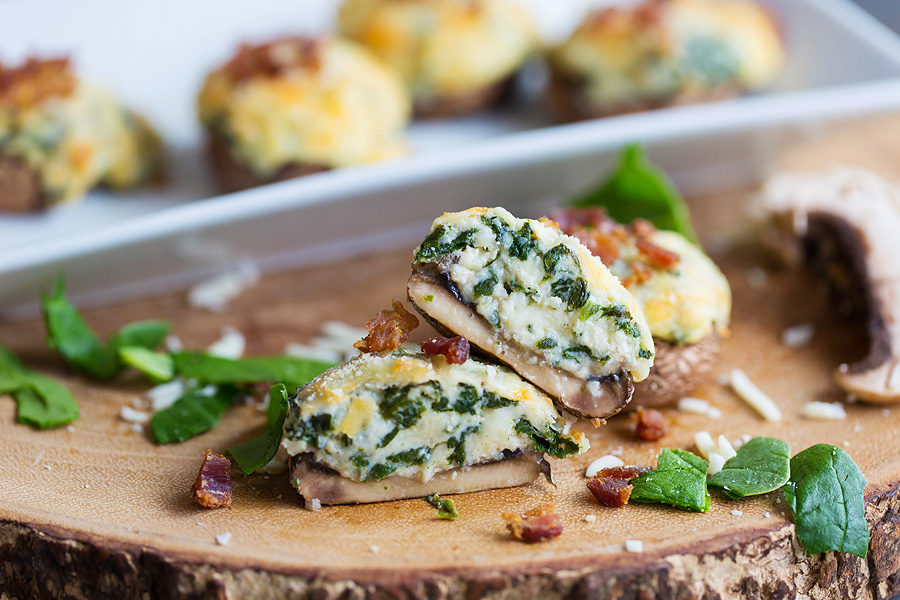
{"x":682,"y":294}
{"x":60,"y":137}
{"x":403,"y":424}
{"x":536,"y":299}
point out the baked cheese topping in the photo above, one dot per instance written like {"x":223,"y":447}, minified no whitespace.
{"x":662,"y":50}
{"x":683,"y":304}
{"x":413,"y":415}
{"x":79,"y":140}
{"x":340,"y":107}
{"x":443,"y":47}
{"x":542,"y":289}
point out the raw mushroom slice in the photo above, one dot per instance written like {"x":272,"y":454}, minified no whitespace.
{"x":403,"y":424}
{"x":849,"y":219}
{"x":535,"y":299}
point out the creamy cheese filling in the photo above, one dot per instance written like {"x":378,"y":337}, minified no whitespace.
{"x":684,"y":303}
{"x":414,"y":415}
{"x":543,"y":290}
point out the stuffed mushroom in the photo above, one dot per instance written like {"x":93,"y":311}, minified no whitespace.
{"x":455,"y":56}
{"x":402,"y":424}
{"x":60,"y":137}
{"x":664,"y":52}
{"x":297,"y":106}
{"x":526,"y":294}
{"x":682,"y":294}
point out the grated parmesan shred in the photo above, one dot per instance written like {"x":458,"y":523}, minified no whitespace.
{"x":824,"y":411}
{"x":716,"y":462}
{"x":754,"y":396}
{"x":798,"y":335}
{"x":215,"y":293}
{"x":705,"y":444}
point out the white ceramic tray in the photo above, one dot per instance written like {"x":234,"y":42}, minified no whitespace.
{"x":154,"y":55}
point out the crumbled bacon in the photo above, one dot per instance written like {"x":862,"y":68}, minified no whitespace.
{"x":388,"y":329}
{"x":650,"y":425}
{"x":535,"y":525}
{"x":639,"y":274}
{"x":212,"y":489}
{"x":455,"y":350}
{"x":274,"y":58}
{"x":626,"y":472}
{"x":657,"y":256}
{"x":612,"y":487}
{"x":642,"y":228}
{"x":610,"y":491}
{"x":35,"y":80}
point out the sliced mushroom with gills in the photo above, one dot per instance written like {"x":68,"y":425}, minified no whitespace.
{"x":403,"y":424}
{"x":524,"y":293}
{"x":848,"y":221}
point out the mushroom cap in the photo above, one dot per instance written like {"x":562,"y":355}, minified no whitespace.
{"x":676,"y":371}
{"x":849,"y":220}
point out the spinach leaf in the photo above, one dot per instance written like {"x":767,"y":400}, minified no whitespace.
{"x":679,"y":480}
{"x":291,"y":371}
{"x":639,"y":190}
{"x":41,"y":401}
{"x":485,"y":287}
{"x":550,"y":441}
{"x":197,"y":411}
{"x":555,"y":255}
{"x":312,"y":430}
{"x":574,"y":292}
{"x":446,"y":508}
{"x":825,"y":493}
{"x":257,"y":453}
{"x":760,"y":466}
{"x":523,"y":244}
{"x":158,"y":366}
{"x":434,"y":247}
{"x":457,"y":446}
{"x":70,"y":335}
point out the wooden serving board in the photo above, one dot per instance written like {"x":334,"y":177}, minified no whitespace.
{"x":99,"y":511}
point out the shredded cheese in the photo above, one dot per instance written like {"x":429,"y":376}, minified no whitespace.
{"x":223,"y":538}
{"x":231,"y":344}
{"x":725,"y":448}
{"x":133,"y":416}
{"x":716,"y":462}
{"x":634,"y":546}
{"x":824,"y":411}
{"x":693,"y":405}
{"x":798,"y":335}
{"x":604,"y":462}
{"x":754,"y":396}
{"x":705,"y":444}
{"x":215,"y":293}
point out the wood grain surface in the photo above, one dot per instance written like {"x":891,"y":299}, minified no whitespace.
{"x":99,"y":511}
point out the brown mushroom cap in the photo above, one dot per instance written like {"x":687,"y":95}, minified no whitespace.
{"x":676,"y":371}
{"x":849,"y":221}
{"x":234,"y":174}
{"x":598,"y":398}
{"x":316,"y":481}
{"x":20,"y":187}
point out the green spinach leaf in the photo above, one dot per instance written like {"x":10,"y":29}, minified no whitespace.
{"x":41,"y":401}
{"x":257,"y":453}
{"x":446,"y":508}
{"x":760,"y":466}
{"x":197,"y":411}
{"x":291,"y":371}
{"x":158,"y":366}
{"x":639,"y":190}
{"x":679,"y":480}
{"x":825,"y":493}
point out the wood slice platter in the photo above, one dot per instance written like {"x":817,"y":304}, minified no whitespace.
{"x":100,"y":511}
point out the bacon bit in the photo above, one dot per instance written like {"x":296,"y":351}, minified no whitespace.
{"x":535,"y":525}
{"x":274,"y":58}
{"x":213,"y":486}
{"x":455,"y":350}
{"x":388,"y":329}
{"x":650,"y":425}
{"x":626,"y":472}
{"x":639,"y":274}
{"x":642,"y":228}
{"x":610,"y":491}
{"x":35,"y":80}
{"x":657,"y":256}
